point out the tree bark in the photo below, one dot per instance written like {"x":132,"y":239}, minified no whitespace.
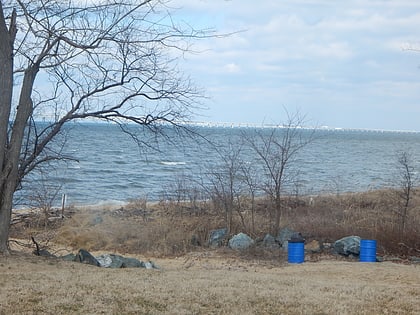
{"x":7,"y":37}
{"x":6,"y":204}
{"x":10,"y":169}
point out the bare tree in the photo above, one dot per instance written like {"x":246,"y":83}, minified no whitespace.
{"x":277,"y":149}
{"x":225,"y":182}
{"x":405,"y":193}
{"x":62,"y":61}
{"x":251,"y":179}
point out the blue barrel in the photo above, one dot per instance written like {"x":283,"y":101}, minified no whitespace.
{"x":295,"y":252}
{"x":367,"y":251}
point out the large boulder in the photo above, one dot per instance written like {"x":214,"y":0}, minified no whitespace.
{"x":117,"y":261}
{"x":195,"y":240}
{"x":240,"y":241}
{"x":129,"y":262}
{"x":109,"y":260}
{"x":69,"y":257}
{"x":217,"y":237}
{"x":106,"y":261}
{"x":84,"y":257}
{"x":284,"y":236}
{"x":270,"y":241}
{"x":349,"y":245}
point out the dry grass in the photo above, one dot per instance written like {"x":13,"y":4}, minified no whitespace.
{"x":199,"y":280}
{"x":167,"y":228}
{"x":208,"y":283}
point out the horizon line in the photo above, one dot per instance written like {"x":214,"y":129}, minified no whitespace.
{"x":323,"y":127}
{"x":225,"y":124}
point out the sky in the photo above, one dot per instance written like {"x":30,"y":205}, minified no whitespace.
{"x":342,"y":64}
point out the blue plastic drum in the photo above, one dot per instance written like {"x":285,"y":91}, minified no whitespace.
{"x":367,"y":251}
{"x":296,"y":253}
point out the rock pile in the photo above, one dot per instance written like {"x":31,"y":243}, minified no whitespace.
{"x":108,"y":260}
{"x":348,"y":246}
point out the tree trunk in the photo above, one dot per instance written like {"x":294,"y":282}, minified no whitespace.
{"x":7,"y":187}
{"x":6,"y":202}
{"x":278,"y":214}
{"x":9,"y":173}
{"x":10,"y":148}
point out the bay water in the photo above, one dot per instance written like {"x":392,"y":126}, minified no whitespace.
{"x":109,"y":166}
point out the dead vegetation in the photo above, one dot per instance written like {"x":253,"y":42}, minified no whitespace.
{"x":176,"y":228}
{"x":208,"y":283}
{"x":195,"y":279}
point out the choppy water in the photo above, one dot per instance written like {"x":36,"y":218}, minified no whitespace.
{"x":112,"y":167}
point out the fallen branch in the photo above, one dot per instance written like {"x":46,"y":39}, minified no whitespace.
{"x":36,"y":252}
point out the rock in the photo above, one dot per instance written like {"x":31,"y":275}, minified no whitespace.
{"x":270,"y":241}
{"x":415,"y":259}
{"x":296,"y":238}
{"x":240,"y":241}
{"x":129,"y":262}
{"x":109,"y":260}
{"x":283,"y":237}
{"x":117,"y":261}
{"x":327,"y":245}
{"x":69,"y":257}
{"x":217,"y":237}
{"x":195,"y":240}
{"x":313,"y":247}
{"x":149,"y":265}
{"x":349,"y":245}
{"x":84,"y":257}
{"x":105,"y":261}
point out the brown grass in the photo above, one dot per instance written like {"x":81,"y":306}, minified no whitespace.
{"x":167,"y":228}
{"x":208,"y":283}
{"x":200,"y":280}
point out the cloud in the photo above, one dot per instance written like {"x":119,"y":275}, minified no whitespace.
{"x":306,"y":52}
{"x":232,"y":68}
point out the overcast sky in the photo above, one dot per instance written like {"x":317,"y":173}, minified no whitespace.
{"x":344,"y":64}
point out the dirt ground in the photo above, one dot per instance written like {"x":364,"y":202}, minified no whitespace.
{"x":208,"y":283}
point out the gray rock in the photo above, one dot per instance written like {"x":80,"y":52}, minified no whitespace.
{"x":296,"y":238}
{"x":195,"y":240}
{"x":149,"y":265}
{"x":283,"y":237}
{"x":327,"y":245}
{"x":117,"y":261}
{"x":349,"y":245}
{"x":106,"y":261}
{"x":129,"y":262}
{"x":270,"y":241}
{"x":240,"y":241}
{"x":217,"y":237}
{"x":415,"y":259}
{"x":69,"y":257}
{"x":84,"y":257}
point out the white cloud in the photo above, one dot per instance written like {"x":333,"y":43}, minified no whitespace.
{"x":232,"y":68}
{"x":318,"y":51}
